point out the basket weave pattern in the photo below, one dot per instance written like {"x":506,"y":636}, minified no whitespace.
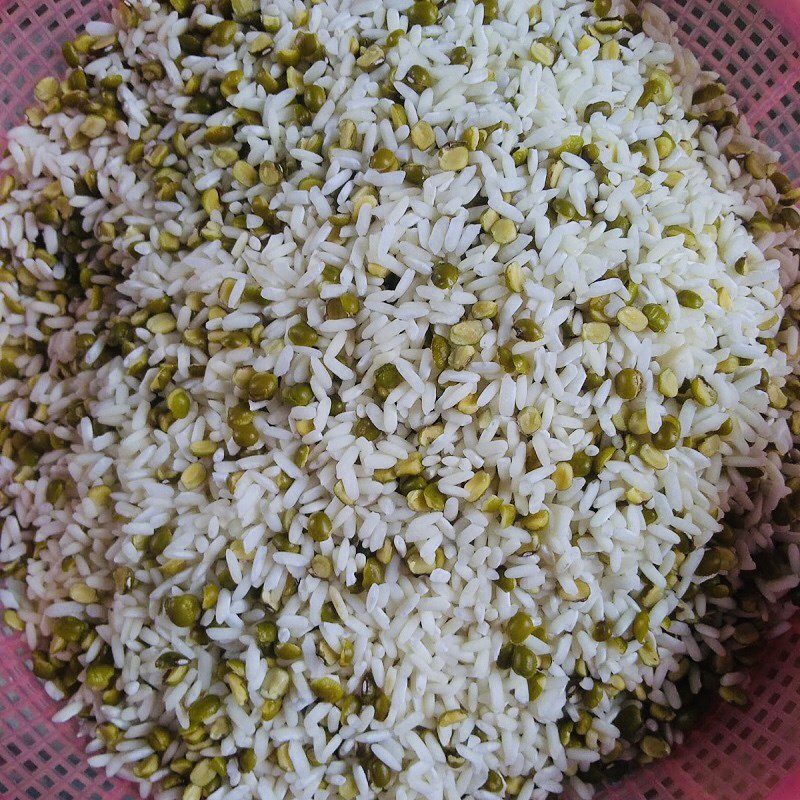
{"x":751,"y":754}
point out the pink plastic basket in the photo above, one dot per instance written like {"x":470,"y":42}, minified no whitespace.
{"x":735,"y":755}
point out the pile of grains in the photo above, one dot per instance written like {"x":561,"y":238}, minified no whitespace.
{"x":396,"y":398}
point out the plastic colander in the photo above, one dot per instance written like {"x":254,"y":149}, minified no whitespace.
{"x":751,"y":754}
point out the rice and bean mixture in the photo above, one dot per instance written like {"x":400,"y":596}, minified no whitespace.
{"x":395,"y":399}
